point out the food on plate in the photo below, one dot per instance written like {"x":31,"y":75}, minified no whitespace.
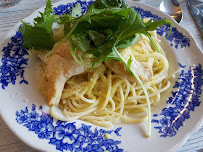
{"x":104,"y":66}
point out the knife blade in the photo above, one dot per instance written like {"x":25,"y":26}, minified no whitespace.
{"x":198,"y":4}
{"x":197,"y":15}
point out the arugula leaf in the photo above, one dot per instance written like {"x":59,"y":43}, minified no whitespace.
{"x":63,"y":19}
{"x":78,"y":59}
{"x":134,"y":24}
{"x":36,"y":37}
{"x":103,"y":21}
{"x":84,"y":18}
{"x":114,"y":25}
{"x":151,"y":26}
{"x":69,"y":18}
{"x":129,"y":63}
{"x":152,"y":41}
{"x":46,"y":20}
{"x":77,"y":10}
{"x":81,"y":42}
{"x":120,"y":29}
{"x":39,"y":36}
{"x":126,"y":43}
{"x":96,"y":37}
{"x":100,"y":4}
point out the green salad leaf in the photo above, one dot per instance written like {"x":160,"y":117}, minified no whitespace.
{"x":109,"y":28}
{"x":36,"y":37}
{"x":39,"y":36}
{"x":100,"y":4}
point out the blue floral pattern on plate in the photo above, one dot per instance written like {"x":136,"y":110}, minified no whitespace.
{"x":67,"y":136}
{"x":182,"y":102}
{"x":65,"y":9}
{"x":14,"y":61}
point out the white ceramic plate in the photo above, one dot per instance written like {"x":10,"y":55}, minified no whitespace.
{"x":26,"y":112}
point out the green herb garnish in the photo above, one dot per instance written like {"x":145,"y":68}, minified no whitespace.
{"x":39,"y":36}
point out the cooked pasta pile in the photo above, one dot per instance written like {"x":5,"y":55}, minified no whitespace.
{"x":103,"y":97}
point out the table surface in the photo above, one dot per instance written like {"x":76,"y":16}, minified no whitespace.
{"x":10,"y":16}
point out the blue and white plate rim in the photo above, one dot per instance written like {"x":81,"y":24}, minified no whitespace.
{"x":147,"y":7}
